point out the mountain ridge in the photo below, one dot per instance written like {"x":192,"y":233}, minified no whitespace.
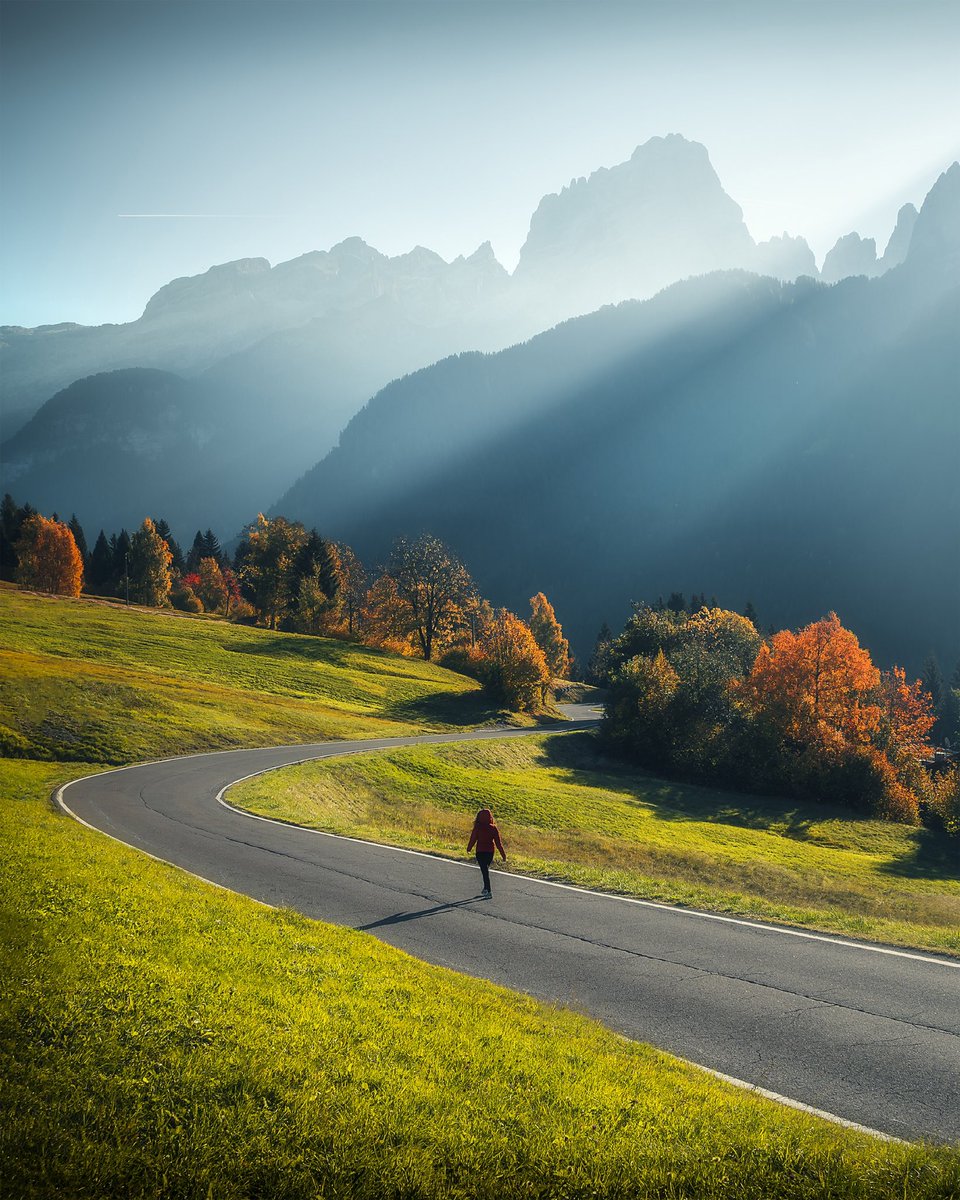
{"x":339,"y":326}
{"x":705,"y":440}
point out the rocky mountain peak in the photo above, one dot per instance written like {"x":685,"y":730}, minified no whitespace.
{"x":935,"y":241}
{"x":193,"y":291}
{"x":785,"y":257}
{"x":899,"y":243}
{"x":851,"y":255}
{"x":629,"y":230}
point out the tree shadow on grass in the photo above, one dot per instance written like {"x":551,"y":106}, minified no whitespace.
{"x":460,"y":709}
{"x":932,"y":854}
{"x":587,"y":764}
{"x":329,"y":651}
{"x":935,"y":855}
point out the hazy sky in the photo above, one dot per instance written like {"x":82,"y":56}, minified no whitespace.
{"x":270,"y":129}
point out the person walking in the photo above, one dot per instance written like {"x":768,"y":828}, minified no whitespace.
{"x":485,"y":836}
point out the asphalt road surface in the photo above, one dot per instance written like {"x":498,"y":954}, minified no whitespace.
{"x":869,"y":1034}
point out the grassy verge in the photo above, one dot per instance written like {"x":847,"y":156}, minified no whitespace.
{"x":161,"y":1038}
{"x":568,"y":814}
{"x":92,"y":682}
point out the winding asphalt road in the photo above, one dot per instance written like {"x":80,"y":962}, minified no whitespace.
{"x":866,"y":1033}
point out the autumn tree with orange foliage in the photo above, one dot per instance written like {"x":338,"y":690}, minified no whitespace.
{"x":385,"y":617}
{"x":514,"y":670}
{"x":830,"y":726}
{"x":813,"y":683}
{"x":906,"y":717}
{"x":805,"y":713}
{"x":47,"y":557}
{"x":549,"y":636}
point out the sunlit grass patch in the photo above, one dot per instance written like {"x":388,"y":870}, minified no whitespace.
{"x":570,"y":815}
{"x":99,"y":683}
{"x":162,"y":1038}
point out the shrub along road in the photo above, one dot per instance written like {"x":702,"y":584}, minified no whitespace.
{"x":868,"y":1033}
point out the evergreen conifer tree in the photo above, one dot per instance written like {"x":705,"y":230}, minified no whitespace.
{"x":597,"y":665}
{"x":100,"y":573}
{"x":176,"y":560}
{"x":120,"y":545}
{"x":11,"y":523}
{"x":77,"y":530}
{"x":196,"y":553}
{"x":210,"y":546}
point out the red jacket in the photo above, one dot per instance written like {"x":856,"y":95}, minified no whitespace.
{"x":485,"y":834}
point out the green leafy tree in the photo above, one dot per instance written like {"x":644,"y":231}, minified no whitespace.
{"x":268,"y":560}
{"x":149,"y":566}
{"x":637,"y":718}
{"x":318,"y":585}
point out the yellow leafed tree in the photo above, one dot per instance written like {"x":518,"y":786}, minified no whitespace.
{"x":549,"y":636}
{"x":516,"y":671}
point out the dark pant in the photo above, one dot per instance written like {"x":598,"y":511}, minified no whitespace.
{"x":484,"y":859}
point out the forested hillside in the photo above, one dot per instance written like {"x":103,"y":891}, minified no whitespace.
{"x":794,"y":445}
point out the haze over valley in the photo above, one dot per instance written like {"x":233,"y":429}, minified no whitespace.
{"x":722,"y":423}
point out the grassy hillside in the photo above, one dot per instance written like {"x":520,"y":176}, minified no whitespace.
{"x":571,"y":815}
{"x":96,"y":682}
{"x":160,"y":1037}
{"x":168,"y":1039}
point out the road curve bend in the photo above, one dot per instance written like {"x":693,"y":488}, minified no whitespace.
{"x":867,"y":1033}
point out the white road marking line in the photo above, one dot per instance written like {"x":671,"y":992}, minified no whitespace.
{"x":742,"y":1084}
{"x":569,"y":887}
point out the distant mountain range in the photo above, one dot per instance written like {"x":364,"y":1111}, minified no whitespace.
{"x":265,"y":365}
{"x":796,"y":445}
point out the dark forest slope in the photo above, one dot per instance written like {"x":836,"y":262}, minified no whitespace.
{"x":796,"y":445}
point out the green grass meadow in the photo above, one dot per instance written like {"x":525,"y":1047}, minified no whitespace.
{"x":164,"y":1038}
{"x":569,"y":814}
{"x":96,"y":682}
{"x":160,"y":1037}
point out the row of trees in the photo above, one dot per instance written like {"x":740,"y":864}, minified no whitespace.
{"x":707,"y":697}
{"x":285,"y":577}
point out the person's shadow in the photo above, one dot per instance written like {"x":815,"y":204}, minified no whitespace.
{"x":399,"y":918}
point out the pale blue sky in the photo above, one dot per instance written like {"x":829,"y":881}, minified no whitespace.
{"x":282,"y":127}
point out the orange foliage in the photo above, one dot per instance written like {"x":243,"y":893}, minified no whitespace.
{"x":48,"y":558}
{"x":385,"y":618}
{"x":549,"y":636}
{"x":815,"y":681}
{"x":516,"y":671}
{"x":907,"y":715}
